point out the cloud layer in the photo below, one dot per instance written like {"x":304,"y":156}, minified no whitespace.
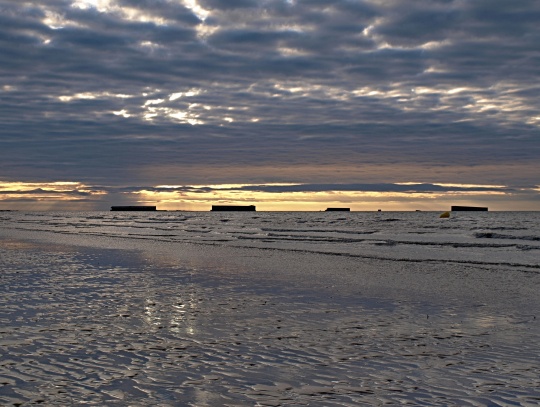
{"x":150,"y":92}
{"x":67,"y":195}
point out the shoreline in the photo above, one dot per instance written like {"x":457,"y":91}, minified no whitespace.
{"x":116,"y":322}
{"x":467,"y":284}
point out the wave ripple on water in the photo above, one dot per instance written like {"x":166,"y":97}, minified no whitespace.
{"x":510,"y":239}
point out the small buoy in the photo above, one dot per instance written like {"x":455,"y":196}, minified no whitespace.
{"x":445,"y":215}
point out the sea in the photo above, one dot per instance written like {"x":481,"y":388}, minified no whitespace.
{"x":176,"y":308}
{"x":509,"y":239}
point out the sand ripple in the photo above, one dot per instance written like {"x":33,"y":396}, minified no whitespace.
{"x":107,"y":328}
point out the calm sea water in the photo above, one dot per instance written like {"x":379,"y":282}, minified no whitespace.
{"x":509,"y":239}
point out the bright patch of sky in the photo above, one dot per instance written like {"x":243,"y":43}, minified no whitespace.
{"x":199,"y":11}
{"x":58,"y":190}
{"x":189,"y":93}
{"x":267,"y":196}
{"x":126,"y":13}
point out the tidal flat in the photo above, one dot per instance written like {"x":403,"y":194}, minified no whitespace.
{"x":108,"y":321}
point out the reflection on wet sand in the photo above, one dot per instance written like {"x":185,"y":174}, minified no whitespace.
{"x":109,"y":328}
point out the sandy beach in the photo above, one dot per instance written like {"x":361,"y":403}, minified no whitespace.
{"x":105,"y":321}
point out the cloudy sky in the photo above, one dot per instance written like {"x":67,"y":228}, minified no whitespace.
{"x":286,"y":104}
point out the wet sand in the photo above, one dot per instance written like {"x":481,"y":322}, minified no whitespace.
{"x":158,"y":327}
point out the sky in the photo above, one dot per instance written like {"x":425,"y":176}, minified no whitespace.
{"x":285,"y":104}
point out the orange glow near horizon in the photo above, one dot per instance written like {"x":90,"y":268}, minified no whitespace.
{"x":28,"y":186}
{"x":308,"y":201}
{"x":77,"y":196}
{"x":58,"y":195}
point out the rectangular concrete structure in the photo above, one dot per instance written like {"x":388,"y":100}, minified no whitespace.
{"x":468,"y":208}
{"x":133,"y":208}
{"x":233,"y":208}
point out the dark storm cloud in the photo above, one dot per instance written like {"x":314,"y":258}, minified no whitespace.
{"x":102,"y":90}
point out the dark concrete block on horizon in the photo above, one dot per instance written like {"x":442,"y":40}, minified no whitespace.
{"x":133,"y":208}
{"x":338,"y":209}
{"x":233,"y":208}
{"x":468,"y":208}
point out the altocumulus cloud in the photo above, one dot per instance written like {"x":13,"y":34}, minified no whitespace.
{"x":120,"y":93}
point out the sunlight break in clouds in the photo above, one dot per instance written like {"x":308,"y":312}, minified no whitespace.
{"x":127,"y":13}
{"x":100,"y":5}
{"x":92,"y":95}
{"x":200,"y":12}
{"x":27,"y":186}
{"x":48,"y":192}
{"x":308,"y":201}
{"x":201,"y":197}
{"x":267,"y":197}
{"x":60,"y":187}
{"x":59,"y":195}
{"x":189,"y":93}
